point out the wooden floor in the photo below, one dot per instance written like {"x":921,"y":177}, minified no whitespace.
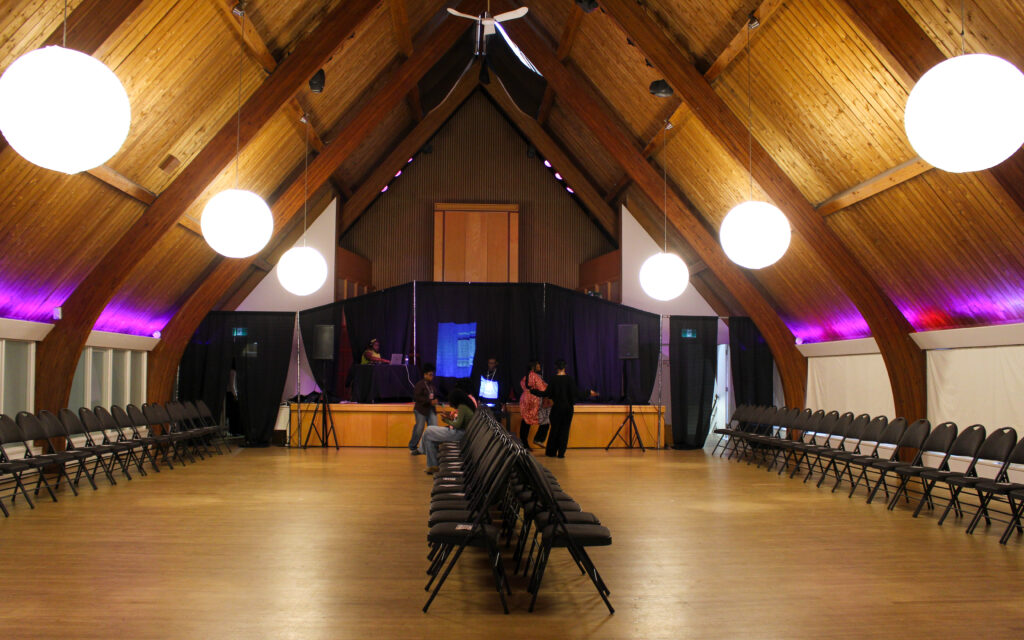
{"x":275,"y":543}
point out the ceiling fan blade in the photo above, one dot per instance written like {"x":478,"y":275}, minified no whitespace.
{"x":510,"y":15}
{"x":462,"y":15}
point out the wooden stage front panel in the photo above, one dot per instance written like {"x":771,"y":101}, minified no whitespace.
{"x":390,"y":425}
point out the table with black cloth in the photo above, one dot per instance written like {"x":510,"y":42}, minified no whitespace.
{"x":383,"y":382}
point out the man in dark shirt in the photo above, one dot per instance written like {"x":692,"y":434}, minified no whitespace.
{"x":424,"y":402}
{"x":563,"y":392}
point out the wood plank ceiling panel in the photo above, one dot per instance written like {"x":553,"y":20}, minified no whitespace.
{"x":946,"y":247}
{"x":264,"y":163}
{"x":992,"y":26}
{"x":551,"y":15}
{"x":420,"y":12}
{"x":348,"y":77}
{"x":391,"y":130}
{"x":823,"y":102}
{"x":25,"y":25}
{"x":704,"y":29}
{"x":580,"y":143}
{"x":283,"y":24}
{"x":147,"y":300}
{"x":179,"y":101}
{"x":814,"y":307}
{"x":55,"y":227}
{"x":618,"y":72}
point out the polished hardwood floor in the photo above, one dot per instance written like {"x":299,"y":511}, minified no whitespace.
{"x":275,"y":543}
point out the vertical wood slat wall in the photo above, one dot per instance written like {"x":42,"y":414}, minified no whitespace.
{"x":476,"y":242}
{"x":478,"y":157}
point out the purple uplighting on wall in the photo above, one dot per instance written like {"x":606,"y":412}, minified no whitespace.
{"x":131,"y":322}
{"x":849,"y":328}
{"x":16,"y":304}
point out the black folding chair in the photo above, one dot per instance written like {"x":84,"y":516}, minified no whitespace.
{"x":965,"y":443}
{"x":72,"y":427}
{"x":862,"y":432}
{"x":9,"y":434}
{"x":151,"y":442}
{"x":49,"y":458}
{"x":916,"y":437}
{"x":120,"y":443}
{"x":1000,"y":486}
{"x":889,"y":438}
{"x":996,"y":448}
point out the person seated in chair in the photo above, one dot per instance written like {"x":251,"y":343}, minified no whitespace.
{"x":371,"y":355}
{"x":453,"y":429}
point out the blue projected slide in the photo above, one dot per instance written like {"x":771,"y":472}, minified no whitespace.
{"x":456,"y":346}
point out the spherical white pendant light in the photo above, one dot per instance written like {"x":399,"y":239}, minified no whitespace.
{"x":967,"y":113}
{"x":664,"y":276}
{"x":302,"y":270}
{"x":236,"y":223}
{"x":63,"y":110}
{"x":755,"y":234}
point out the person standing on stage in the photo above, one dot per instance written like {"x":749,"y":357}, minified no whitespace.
{"x":424,"y":402}
{"x":563,"y":392}
{"x":529,"y":403}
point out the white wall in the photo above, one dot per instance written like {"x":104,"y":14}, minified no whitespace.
{"x":637,"y":246}
{"x":857,"y":383}
{"x":977,"y":386}
{"x":269,"y":295}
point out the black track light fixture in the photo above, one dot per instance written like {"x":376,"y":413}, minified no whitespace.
{"x":661,"y":89}
{"x":316,"y":83}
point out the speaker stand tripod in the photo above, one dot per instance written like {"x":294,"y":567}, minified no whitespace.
{"x":325,"y":432}
{"x":632,"y":438}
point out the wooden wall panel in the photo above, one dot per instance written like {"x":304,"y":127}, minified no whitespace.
{"x":25,"y":25}
{"x":385,"y":136}
{"x":993,"y":26}
{"x":283,"y":23}
{"x":945,"y":246}
{"x":477,"y":157}
{"x":579,"y":143}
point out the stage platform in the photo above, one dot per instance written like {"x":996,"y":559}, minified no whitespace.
{"x":390,"y":425}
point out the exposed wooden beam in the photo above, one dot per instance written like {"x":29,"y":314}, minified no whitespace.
{"x":572,"y":26}
{"x":399,"y":156}
{"x":904,"y":360}
{"x":57,"y":354}
{"x":682,"y":112}
{"x":403,"y":36}
{"x":123,"y":184}
{"x":618,"y":142}
{"x":873,"y":186}
{"x":257,"y":48}
{"x":910,"y":53}
{"x":739,"y":41}
{"x":191,"y":224}
{"x":435,"y":40}
{"x":603,"y":214}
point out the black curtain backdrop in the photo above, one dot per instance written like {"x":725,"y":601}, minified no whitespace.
{"x":324,"y":372}
{"x":751,"y":361}
{"x":693,"y":358}
{"x":385,"y":315}
{"x":260,"y":357}
{"x":510,"y":323}
{"x":592,"y":354}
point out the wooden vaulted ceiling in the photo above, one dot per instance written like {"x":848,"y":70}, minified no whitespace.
{"x":883,"y":245}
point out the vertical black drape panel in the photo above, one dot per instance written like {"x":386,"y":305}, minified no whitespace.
{"x":693,"y":357}
{"x":509,"y":321}
{"x":385,"y":315}
{"x":324,"y":372}
{"x":751,"y":361}
{"x":592,"y":352}
{"x":259,"y":345}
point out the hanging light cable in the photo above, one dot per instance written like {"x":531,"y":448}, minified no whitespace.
{"x":237,"y":223}
{"x":62,"y":109}
{"x":664,"y":275}
{"x":754,"y":234}
{"x":303,"y":270}
{"x":964,"y":114}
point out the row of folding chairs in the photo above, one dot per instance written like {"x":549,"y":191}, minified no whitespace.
{"x":488,"y":488}
{"x":968,"y":471}
{"x":119,"y":440}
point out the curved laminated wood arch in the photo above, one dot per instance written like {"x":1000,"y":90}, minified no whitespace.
{"x":619,"y":144}
{"x":163,"y":360}
{"x":58,"y":353}
{"x":904,"y":360}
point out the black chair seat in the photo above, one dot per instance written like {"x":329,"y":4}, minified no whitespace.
{"x":1002,"y":488}
{"x":456,"y":533}
{"x":572,"y":517}
{"x":938,"y":474}
{"x":449,"y":515}
{"x":588,"y":535}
